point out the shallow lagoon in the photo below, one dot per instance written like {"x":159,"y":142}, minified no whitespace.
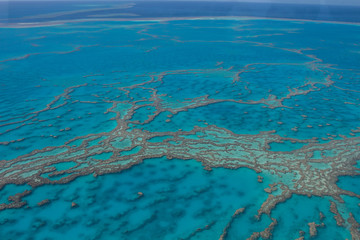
{"x":178,"y":198}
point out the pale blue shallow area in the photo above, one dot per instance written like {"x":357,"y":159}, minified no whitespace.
{"x":178,"y":198}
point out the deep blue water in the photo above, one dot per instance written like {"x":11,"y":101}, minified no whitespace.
{"x":13,"y":11}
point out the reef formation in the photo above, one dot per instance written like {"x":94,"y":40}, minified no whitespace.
{"x":234,"y":93}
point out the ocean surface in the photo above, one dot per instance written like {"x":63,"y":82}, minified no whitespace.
{"x":39,"y":11}
{"x":154,"y":120}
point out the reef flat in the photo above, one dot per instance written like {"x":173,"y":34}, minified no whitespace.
{"x":180,"y":129}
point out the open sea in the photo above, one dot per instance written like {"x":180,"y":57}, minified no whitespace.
{"x":179,"y":120}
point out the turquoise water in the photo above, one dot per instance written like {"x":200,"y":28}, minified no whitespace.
{"x":112,"y":208}
{"x":164,"y":129}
